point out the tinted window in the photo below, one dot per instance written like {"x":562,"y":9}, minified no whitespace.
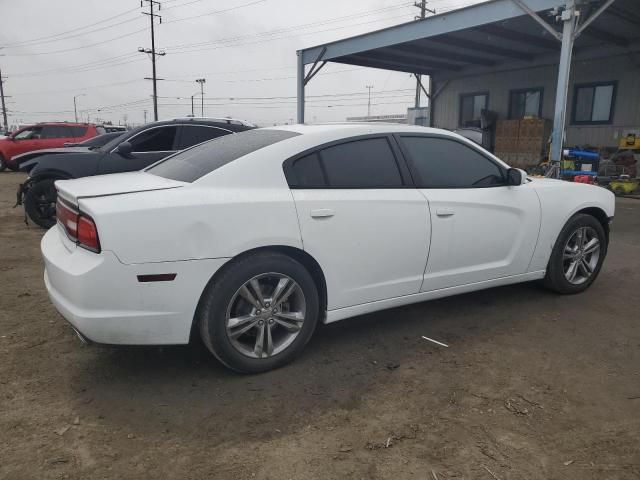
{"x":78,"y":131}
{"x":56,"y":131}
{"x":200,"y":160}
{"x":308,"y":172}
{"x":194,"y":134}
{"x":361,"y":164}
{"x":159,"y":139}
{"x":441,"y":163}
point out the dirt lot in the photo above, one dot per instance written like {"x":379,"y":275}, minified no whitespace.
{"x":533,"y":386}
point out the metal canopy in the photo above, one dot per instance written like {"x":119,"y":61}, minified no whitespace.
{"x":487,"y":37}
{"x":486,"y":34}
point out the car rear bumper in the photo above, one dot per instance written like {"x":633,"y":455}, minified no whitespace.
{"x":105,"y":302}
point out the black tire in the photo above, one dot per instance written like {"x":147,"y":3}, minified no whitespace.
{"x":39,"y":202}
{"x":3,"y":164}
{"x":555,"y":278}
{"x":218,"y":298}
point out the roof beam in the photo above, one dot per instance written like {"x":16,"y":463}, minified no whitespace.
{"x":367,"y":62}
{"x":424,"y":51}
{"x":410,"y":65}
{"x":606,"y":36}
{"x":482,"y":47}
{"x":539,"y":19}
{"x":514,"y":36}
{"x":396,"y":54}
{"x":452,"y":21}
{"x":625,"y":15}
{"x":592,"y":17}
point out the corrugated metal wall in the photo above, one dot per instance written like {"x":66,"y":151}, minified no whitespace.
{"x":622,"y":69}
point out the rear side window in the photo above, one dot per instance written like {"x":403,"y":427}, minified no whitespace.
{"x":159,"y":139}
{"x":196,"y":162}
{"x":308,"y":171}
{"x":79,"y":131}
{"x":56,"y":131}
{"x":194,"y":134}
{"x":368,"y":163}
{"x":443,"y":163}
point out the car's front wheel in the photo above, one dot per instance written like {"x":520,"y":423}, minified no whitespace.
{"x":3,"y":164}
{"x":577,"y":256}
{"x":259,"y":313}
{"x":40,"y":202}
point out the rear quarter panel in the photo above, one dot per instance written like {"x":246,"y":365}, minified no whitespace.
{"x":193,"y":222}
{"x":559,"y":201}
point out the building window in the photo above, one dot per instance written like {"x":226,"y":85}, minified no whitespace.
{"x":471,"y":106}
{"x":525,"y":103}
{"x":593,"y":103}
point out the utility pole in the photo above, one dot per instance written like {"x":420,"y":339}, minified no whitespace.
{"x":422,"y":5}
{"x":145,"y":116}
{"x":201,"y":81}
{"x":152,"y":51}
{"x":75,"y":106}
{"x":369,"y":87}
{"x":4,"y":107}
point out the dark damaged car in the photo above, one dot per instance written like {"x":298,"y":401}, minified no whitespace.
{"x":132,"y":151}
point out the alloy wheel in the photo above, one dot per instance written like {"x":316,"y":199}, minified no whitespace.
{"x":265,"y":315}
{"x":580,"y":255}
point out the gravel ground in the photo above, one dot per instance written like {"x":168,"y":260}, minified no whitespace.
{"x":533,"y":386}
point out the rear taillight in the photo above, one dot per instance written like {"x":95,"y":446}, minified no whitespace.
{"x":79,"y":227}
{"x":88,"y":233}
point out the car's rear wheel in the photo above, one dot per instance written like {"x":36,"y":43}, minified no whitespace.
{"x":259,"y":313}
{"x":577,"y":256}
{"x":40,"y":203}
{"x":3,"y":164}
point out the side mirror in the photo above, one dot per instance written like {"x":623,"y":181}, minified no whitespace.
{"x":515,"y":176}
{"x":124,"y":149}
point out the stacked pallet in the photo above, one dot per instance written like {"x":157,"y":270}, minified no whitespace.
{"x":522,"y":143}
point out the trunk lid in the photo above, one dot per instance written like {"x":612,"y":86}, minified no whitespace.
{"x":114,"y":184}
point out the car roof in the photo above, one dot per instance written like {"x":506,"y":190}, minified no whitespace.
{"x":349,"y":128}
{"x":235,"y":126}
{"x":68,"y":124}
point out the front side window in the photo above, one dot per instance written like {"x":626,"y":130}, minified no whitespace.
{"x":193,"y":163}
{"x":29,"y":134}
{"x":593,"y":103}
{"x":443,"y":163}
{"x":525,"y":103}
{"x":367,"y":163}
{"x":159,"y":139}
{"x":471,"y":106}
{"x":194,"y":134}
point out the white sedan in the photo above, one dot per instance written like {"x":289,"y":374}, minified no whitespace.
{"x":250,"y":240}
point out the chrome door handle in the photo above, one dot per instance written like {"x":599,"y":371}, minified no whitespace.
{"x":444,"y":212}
{"x":322,"y":213}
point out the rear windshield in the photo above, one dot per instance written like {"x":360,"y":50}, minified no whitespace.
{"x":195,"y":162}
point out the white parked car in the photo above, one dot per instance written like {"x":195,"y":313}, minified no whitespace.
{"x":250,"y":240}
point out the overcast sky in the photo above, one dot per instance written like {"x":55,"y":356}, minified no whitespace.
{"x":245,"y":49}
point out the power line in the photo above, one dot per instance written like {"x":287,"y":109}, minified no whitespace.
{"x":31,"y":44}
{"x":260,"y":41}
{"x":291,"y":28}
{"x":215,"y":12}
{"x":72,"y":30}
{"x":65,"y":50}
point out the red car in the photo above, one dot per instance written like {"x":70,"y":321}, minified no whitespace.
{"x":43,"y":135}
